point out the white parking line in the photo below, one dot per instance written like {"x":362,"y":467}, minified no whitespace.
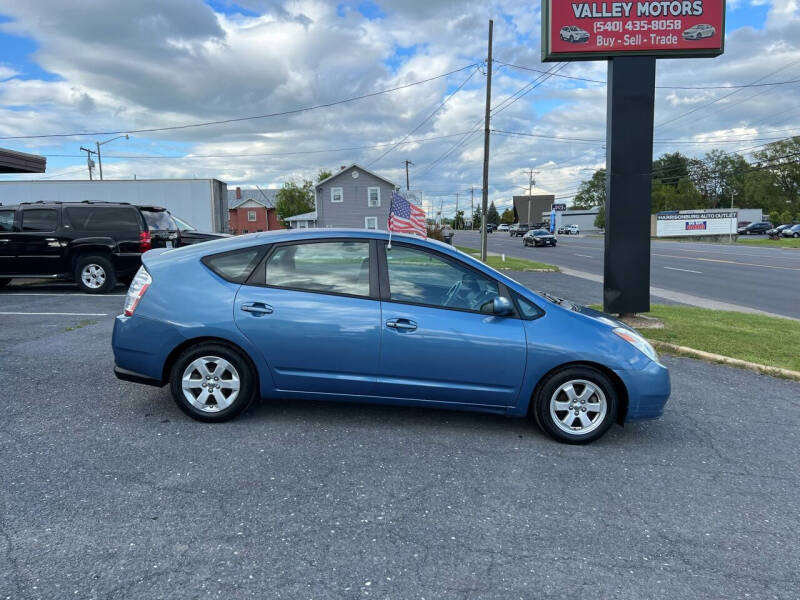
{"x":58,"y":314}
{"x":684,"y":270}
{"x":583,"y":255}
{"x":62,"y":294}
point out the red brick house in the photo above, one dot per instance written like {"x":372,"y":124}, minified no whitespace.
{"x":251,"y":210}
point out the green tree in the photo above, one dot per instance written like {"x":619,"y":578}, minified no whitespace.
{"x":669,"y":169}
{"x":476,"y":220}
{"x":775,"y":217}
{"x":323,"y":174}
{"x":492,"y":216}
{"x":786,"y":217}
{"x":294,"y":199}
{"x":600,"y":219}
{"x":781,"y":160}
{"x":592,"y":192}
{"x":458,"y":221}
{"x":507,"y":216}
{"x":683,"y":196}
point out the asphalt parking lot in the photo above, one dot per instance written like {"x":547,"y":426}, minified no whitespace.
{"x":109,"y":491}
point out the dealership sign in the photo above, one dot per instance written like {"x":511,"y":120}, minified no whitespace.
{"x":596,"y":30}
{"x":560,"y":207}
{"x":695,"y":222}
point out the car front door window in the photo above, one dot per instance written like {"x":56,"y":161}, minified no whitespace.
{"x":421,"y":277}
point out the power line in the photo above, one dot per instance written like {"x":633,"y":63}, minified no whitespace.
{"x":426,"y":119}
{"x":662,"y":87}
{"x":239,"y":119}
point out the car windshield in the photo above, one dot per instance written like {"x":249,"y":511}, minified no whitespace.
{"x":541,"y":232}
{"x":159,"y":220}
{"x":183,"y":225}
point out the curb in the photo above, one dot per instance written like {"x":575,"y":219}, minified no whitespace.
{"x":734,"y":362}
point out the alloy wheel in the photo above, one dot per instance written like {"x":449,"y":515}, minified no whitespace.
{"x":93,"y":276}
{"x":210,"y":384}
{"x":578,"y":407}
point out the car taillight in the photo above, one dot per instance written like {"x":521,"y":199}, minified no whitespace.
{"x":145,"y":243}
{"x":137,"y":289}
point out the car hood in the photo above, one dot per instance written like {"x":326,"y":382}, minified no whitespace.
{"x":592,"y":313}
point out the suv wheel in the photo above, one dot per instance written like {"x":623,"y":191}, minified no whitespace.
{"x":576,"y":405}
{"x":95,"y":274}
{"x":212,"y":382}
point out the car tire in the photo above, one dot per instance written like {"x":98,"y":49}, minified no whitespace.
{"x":94,"y":274}
{"x":195,"y":370}
{"x":4,"y":281}
{"x":592,"y":394}
{"x":796,"y":235}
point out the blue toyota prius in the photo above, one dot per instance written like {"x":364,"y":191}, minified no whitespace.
{"x":345,"y":315}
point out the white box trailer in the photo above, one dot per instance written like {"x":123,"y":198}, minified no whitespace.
{"x":201,"y":202}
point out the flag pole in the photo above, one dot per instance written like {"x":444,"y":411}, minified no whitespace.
{"x":389,"y":222}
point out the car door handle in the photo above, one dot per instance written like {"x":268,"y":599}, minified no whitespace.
{"x":404,"y":324}
{"x":257,"y":308}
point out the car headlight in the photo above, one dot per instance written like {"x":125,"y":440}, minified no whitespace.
{"x":638,"y":341}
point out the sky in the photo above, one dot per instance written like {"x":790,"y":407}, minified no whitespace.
{"x":101,"y":66}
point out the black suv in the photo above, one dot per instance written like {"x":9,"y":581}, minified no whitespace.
{"x":94,"y":244}
{"x":520,"y":230}
{"x":755,"y":228}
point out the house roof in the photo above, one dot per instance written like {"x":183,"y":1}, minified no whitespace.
{"x":356,"y":165}
{"x":266,"y":197}
{"x":309,"y":216}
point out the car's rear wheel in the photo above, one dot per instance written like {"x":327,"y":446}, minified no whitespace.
{"x":212,"y":382}
{"x":796,"y":235}
{"x":576,"y":405}
{"x":95,"y":274}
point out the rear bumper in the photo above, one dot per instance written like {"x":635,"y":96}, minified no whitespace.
{"x":126,"y":375}
{"x":141,"y":347}
{"x":648,"y":391}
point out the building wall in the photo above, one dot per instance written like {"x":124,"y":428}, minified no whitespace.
{"x":353,"y":209}
{"x":538,"y":204}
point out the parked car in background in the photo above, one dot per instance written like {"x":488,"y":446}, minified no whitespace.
{"x":698,"y":32}
{"x":776,"y":231}
{"x":94,"y":244}
{"x":490,"y":227}
{"x":330,"y":314}
{"x":502,"y":227}
{"x":190,"y":235}
{"x":793,"y":231}
{"x":520,"y":230}
{"x":569,"y":229}
{"x":539,"y":237}
{"x":755,"y":228}
{"x":574,"y":34}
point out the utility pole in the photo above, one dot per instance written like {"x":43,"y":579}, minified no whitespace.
{"x":472,"y":208}
{"x":99,"y":159}
{"x":408,"y":162}
{"x":89,"y":162}
{"x":531,"y":183}
{"x":455,"y":219}
{"x":485,"y":195}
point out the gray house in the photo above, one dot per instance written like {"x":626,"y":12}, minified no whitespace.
{"x":353,"y":197}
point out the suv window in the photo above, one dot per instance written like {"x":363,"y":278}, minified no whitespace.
{"x":424,"y":278}
{"x":39,"y":219}
{"x":7,"y":220}
{"x":105,"y":218}
{"x":332,"y":267}
{"x":159,"y":220}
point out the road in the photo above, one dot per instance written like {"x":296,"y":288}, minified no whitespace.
{"x":109,"y":491}
{"x":766,"y":279}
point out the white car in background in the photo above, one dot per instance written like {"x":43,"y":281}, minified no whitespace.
{"x":502,"y":227}
{"x":570,"y":229}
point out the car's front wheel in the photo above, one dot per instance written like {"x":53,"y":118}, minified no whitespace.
{"x":95,"y":274}
{"x":212,"y":382}
{"x":576,"y":405}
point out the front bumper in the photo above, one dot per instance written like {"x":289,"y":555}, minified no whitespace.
{"x":648,"y":391}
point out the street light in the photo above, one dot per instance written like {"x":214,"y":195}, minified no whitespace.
{"x":100,"y":160}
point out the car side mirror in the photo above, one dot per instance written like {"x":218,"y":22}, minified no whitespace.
{"x":502,"y":307}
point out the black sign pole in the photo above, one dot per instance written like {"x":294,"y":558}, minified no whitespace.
{"x":629,"y":172}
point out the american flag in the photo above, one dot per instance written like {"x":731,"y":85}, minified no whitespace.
{"x":405,"y":217}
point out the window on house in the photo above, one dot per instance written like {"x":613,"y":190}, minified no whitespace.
{"x":251,"y":215}
{"x":337,"y":195}
{"x":370,"y":222}
{"x":302,"y":224}
{"x":373,"y":196}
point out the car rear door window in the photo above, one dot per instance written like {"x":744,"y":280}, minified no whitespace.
{"x":421,"y":277}
{"x":39,"y":219}
{"x":340,"y":267}
{"x":87,"y":218}
{"x":235,"y":266}
{"x":7,"y":220}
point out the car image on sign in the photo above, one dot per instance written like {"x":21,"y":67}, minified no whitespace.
{"x":571,"y":33}
{"x":698,"y":32}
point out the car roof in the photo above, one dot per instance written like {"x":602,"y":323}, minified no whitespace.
{"x":94,"y":203}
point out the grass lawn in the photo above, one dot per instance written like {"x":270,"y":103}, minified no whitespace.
{"x":756,"y":338}
{"x":510,"y":263}
{"x":781,"y":243}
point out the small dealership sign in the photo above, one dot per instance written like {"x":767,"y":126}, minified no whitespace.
{"x":576,"y":30}
{"x":560,"y":207}
{"x":696,"y":222}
